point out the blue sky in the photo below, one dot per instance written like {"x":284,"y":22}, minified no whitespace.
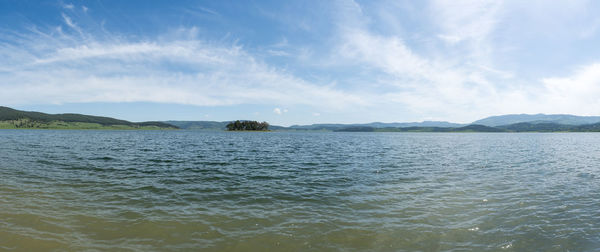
{"x":301,"y":62}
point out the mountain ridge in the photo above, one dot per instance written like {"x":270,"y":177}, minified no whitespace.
{"x":502,"y":123}
{"x":565,"y":119}
{"x":499,"y":122}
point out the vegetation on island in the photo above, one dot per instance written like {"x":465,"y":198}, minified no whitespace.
{"x":247,"y":126}
{"x":16,"y":119}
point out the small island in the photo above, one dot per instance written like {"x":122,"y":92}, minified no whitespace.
{"x":247,"y":126}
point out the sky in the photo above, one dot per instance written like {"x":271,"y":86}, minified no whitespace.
{"x":301,"y":62}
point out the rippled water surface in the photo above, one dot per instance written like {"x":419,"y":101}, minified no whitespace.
{"x":220,"y":191}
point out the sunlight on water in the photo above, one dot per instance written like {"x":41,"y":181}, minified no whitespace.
{"x":219,"y":191}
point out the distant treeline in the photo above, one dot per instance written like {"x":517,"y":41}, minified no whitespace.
{"x":517,"y":127}
{"x":248,"y":125}
{"x":468,"y":128}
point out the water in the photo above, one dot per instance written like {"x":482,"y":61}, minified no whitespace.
{"x":220,"y":191}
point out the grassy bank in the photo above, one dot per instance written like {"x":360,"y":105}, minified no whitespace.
{"x":29,"y":124}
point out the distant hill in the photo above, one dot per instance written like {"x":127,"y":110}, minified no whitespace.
{"x":478,"y":128}
{"x":516,"y":127}
{"x":199,"y":125}
{"x":536,"y":119}
{"x":12,"y":118}
{"x":415,"y":124}
{"x":550,"y":127}
{"x":538,"y":127}
{"x":468,"y":128}
{"x":376,"y":125}
{"x":587,"y":128}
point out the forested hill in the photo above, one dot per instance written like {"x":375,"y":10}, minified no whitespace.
{"x":494,"y":121}
{"x":516,"y":127}
{"x":25,"y":119}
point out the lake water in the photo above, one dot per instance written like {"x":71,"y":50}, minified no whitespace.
{"x":276,"y":191}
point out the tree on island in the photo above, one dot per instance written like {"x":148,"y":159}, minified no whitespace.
{"x":247,"y":125}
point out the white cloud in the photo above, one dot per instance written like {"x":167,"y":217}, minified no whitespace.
{"x":279,"y":111}
{"x":576,"y":93}
{"x":432,"y":84}
{"x":278,"y":53}
{"x":422,"y":85}
{"x":467,"y":26}
{"x":207,"y":10}
{"x":68,"y":21}
{"x":68,"y":6}
{"x":47,"y":67}
{"x":389,"y":54}
{"x":451,"y":39}
{"x":465,"y":19}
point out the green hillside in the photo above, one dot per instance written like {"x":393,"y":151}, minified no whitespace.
{"x":17,"y":119}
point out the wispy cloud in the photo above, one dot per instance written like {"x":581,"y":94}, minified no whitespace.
{"x":422,"y":84}
{"x":577,"y":92}
{"x":69,"y":22}
{"x":464,"y":78}
{"x":201,"y":12}
{"x":68,"y":69}
{"x":68,"y":6}
{"x":207,"y":10}
{"x":462,"y":20}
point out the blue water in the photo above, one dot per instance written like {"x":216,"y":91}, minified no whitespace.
{"x":278,"y":191}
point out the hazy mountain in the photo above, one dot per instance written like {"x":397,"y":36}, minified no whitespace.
{"x":199,"y":125}
{"x":377,"y":125}
{"x":516,"y":127}
{"x":414,"y":124}
{"x":468,"y":128}
{"x":537,"y":118}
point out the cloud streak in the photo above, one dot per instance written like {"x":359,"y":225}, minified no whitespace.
{"x":68,"y":69}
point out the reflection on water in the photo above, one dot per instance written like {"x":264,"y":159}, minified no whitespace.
{"x":177,"y":190}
